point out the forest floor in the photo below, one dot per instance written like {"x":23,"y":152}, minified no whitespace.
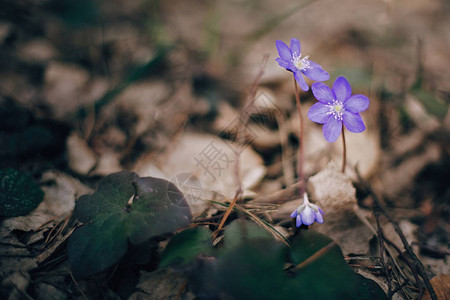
{"x":88,"y":89}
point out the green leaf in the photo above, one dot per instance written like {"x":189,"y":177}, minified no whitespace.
{"x":19,"y":194}
{"x":186,"y":246}
{"x":241,"y":232}
{"x":433,"y":105}
{"x":251,"y":263}
{"x":328,"y":276}
{"x":251,"y":266}
{"x":157,"y":207}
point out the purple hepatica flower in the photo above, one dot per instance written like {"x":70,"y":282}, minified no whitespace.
{"x":291,"y":59}
{"x":337,"y":106}
{"x":307,"y":213}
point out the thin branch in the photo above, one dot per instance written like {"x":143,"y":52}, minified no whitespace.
{"x":315,"y":256}
{"x":380,"y":237}
{"x":416,"y":262}
{"x":227,"y":213}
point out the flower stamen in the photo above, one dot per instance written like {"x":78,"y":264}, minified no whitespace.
{"x":336,"y":109}
{"x":301,"y":63}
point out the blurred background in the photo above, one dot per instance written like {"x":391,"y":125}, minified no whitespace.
{"x":89,"y":88}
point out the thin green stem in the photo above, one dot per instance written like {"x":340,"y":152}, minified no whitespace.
{"x":300,"y":159}
{"x":344,"y":150}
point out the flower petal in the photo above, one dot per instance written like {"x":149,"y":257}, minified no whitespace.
{"x":316,"y":73}
{"x":332,"y":129}
{"x":301,"y":81}
{"x":322,"y":92}
{"x":294,"y":214}
{"x":319,"y":113}
{"x":299,"y":221}
{"x":283,"y":63}
{"x":356,"y":103}
{"x":283,"y":50}
{"x":308,"y":216}
{"x":353,"y":122}
{"x":342,"y":89}
{"x":295,"y":47}
{"x":319,"y":217}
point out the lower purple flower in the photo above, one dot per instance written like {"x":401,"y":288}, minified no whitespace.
{"x":337,"y":106}
{"x":307,"y":213}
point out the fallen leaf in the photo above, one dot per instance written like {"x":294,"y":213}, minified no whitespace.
{"x":81,"y":157}
{"x":210,"y":161}
{"x":441,"y":286}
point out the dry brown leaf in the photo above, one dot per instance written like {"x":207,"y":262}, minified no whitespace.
{"x":59,"y":201}
{"x":160,"y":284}
{"x":441,"y":286}
{"x":81,"y":157}
{"x":68,"y":87}
{"x":210,"y":161}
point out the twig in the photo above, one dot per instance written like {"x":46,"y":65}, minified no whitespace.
{"x":380,"y":237}
{"x":389,"y":250}
{"x":79,"y":288}
{"x":265,"y":225}
{"x":315,"y":256}
{"x":406,"y":261}
{"x":417,"y":263}
{"x":227,"y":213}
{"x":260,"y":222}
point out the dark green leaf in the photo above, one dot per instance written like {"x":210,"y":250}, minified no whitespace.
{"x":328,"y":276}
{"x":242,"y":232}
{"x":251,"y":266}
{"x":19,"y":194}
{"x":157,"y":207}
{"x":186,"y":246}
{"x":252,"y":262}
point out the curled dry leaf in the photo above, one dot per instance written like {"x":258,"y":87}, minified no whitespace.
{"x":335,"y":194}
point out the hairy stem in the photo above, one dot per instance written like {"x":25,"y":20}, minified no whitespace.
{"x":344,"y":150}
{"x":300,"y":159}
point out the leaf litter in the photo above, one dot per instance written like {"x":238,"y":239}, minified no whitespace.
{"x":160,"y":127}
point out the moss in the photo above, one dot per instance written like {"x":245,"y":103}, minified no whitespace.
{"x":19,"y":194}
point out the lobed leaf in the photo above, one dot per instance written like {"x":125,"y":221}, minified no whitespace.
{"x":124,"y":208}
{"x":186,"y":246}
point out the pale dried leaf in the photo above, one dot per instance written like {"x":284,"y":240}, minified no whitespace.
{"x":81,"y":157}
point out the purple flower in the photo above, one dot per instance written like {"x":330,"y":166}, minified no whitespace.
{"x":337,"y":106}
{"x":291,"y":59}
{"x":307,"y":213}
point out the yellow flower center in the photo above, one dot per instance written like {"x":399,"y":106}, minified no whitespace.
{"x":336,"y":109}
{"x":301,"y":63}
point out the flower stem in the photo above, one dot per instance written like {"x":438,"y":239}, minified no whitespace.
{"x":300,"y":159}
{"x":344,"y":150}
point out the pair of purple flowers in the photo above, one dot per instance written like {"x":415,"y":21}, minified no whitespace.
{"x":335,"y":106}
